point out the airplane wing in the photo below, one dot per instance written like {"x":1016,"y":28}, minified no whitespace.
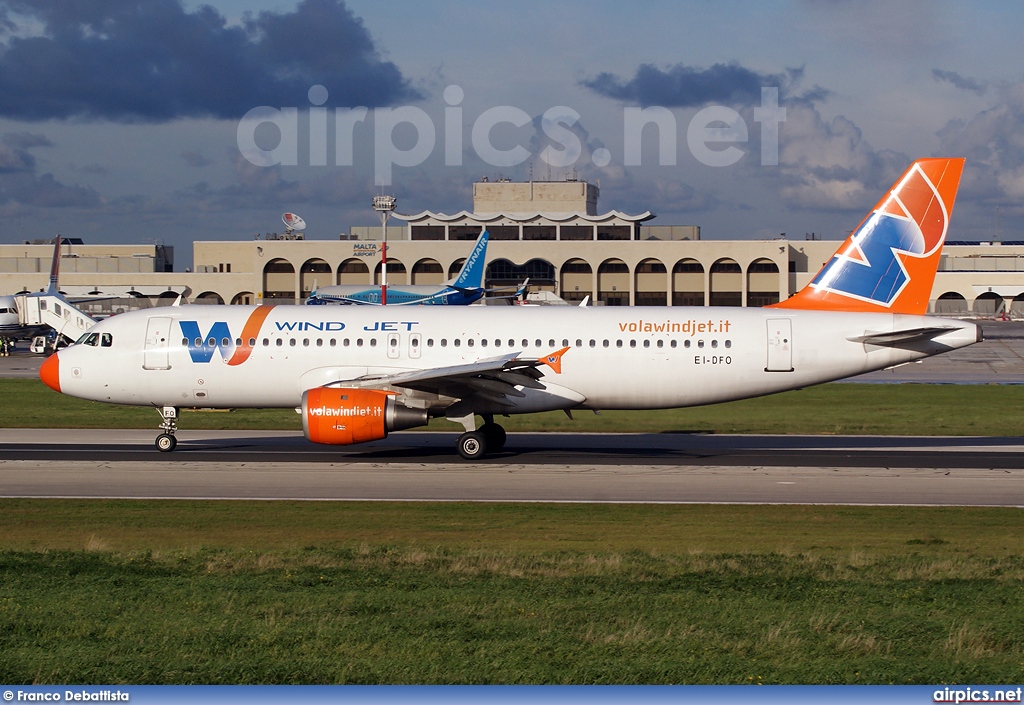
{"x":495,"y":379}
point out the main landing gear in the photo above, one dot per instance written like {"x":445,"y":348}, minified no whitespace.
{"x":489,"y":438}
{"x":166,"y":441}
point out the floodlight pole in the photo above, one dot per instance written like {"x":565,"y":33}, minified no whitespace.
{"x":385,"y":206}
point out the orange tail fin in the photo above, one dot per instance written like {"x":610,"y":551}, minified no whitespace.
{"x":888,"y":263}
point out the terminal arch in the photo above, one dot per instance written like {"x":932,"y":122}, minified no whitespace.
{"x":314,"y":272}
{"x":726,"y":283}
{"x":209,"y":298}
{"x":243,"y":298}
{"x":688,"y":283}
{"x":951,"y":304}
{"x":427,"y":271}
{"x":613,"y":283}
{"x":762,"y":283}
{"x":503,"y":273}
{"x":278,"y":280}
{"x":1017,"y":306}
{"x":397,"y":274}
{"x":576,"y":278}
{"x":989,"y":304}
{"x":453,"y":271}
{"x":650,"y":283}
{"x":353,"y":272}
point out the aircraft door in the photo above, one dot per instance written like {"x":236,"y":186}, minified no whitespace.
{"x":414,"y":345}
{"x":394,"y":345}
{"x":158,"y":331}
{"x":780,"y":345}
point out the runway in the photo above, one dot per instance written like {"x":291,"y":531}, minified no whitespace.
{"x":654,"y":468}
{"x":410,"y":466}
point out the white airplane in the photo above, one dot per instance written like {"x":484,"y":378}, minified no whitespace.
{"x":357,"y":373}
{"x":11,"y":327}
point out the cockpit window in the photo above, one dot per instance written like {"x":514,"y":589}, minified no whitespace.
{"x":89,"y":339}
{"x":106,"y":340}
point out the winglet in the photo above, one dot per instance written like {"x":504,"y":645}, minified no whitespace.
{"x":888,"y":263}
{"x":554,"y":360}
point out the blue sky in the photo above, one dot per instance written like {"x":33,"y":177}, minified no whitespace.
{"x":120,"y":119}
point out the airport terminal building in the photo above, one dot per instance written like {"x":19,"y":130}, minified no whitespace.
{"x":550,"y":232}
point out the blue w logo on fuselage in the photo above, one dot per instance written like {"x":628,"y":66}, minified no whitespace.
{"x":880,"y":276}
{"x":201,"y":347}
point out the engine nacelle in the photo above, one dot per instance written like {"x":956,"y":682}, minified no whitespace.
{"x":344,"y":416}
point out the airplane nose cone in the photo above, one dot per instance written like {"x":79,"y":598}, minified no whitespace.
{"x":49,"y":372}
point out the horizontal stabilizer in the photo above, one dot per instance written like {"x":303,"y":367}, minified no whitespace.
{"x":901,"y":338}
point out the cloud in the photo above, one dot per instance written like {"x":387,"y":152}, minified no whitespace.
{"x":19,"y":184}
{"x":152,"y":61}
{"x":993,"y":143}
{"x":828,"y":164}
{"x":682,"y":86}
{"x":195,"y":159}
{"x":961,"y":82}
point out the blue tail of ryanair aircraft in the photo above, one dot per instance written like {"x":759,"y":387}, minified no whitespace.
{"x":471,"y":276}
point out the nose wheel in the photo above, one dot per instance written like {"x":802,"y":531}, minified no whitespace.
{"x":166,"y":441}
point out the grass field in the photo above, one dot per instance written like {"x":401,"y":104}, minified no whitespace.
{"x":244,"y":592}
{"x":281,"y":592}
{"x":905,"y":409}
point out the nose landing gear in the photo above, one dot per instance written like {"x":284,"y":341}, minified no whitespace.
{"x":166,"y":441}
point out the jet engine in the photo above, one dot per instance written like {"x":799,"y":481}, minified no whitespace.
{"x":338,"y":416}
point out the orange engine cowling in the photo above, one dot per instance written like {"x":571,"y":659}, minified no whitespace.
{"x":344,"y":416}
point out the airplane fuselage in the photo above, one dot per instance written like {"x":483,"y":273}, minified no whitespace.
{"x":618,"y":358}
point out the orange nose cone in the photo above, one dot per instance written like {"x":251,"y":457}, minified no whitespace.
{"x":49,"y":372}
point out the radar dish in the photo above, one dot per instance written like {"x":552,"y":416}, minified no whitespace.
{"x":293,"y":222}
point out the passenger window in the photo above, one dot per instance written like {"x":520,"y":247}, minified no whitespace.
{"x":252,"y":342}
{"x":647,"y":343}
{"x":579,"y":343}
{"x":618,"y":343}
{"x":291,"y":342}
{"x":184,"y":342}
{"x":305,"y":342}
{"x":632,"y":343}
{"x":686,"y":343}
{"x":526,"y":343}
{"x":444,"y":342}
{"x":238,"y":342}
{"x":415,"y":342}
{"x":212,"y":342}
{"x":538,"y":343}
{"x":106,"y":340}
{"x":469,"y":342}
{"x":714,"y":343}
{"x":346,"y":343}
{"x":359,"y":342}
{"x":700,"y":343}
{"x":483,"y":343}
{"x":430,"y":342}
{"x":551,"y":343}
{"x":605,"y":343}
{"x":661,"y":343}
{"x":673,"y":343}
{"x":199,"y":342}
{"x":456,"y":342}
{"x":373,"y":342}
{"x":334,"y":343}
{"x":728,"y":343}
{"x":266,"y":342}
{"x":511,"y":343}
{"x":280,"y":342}
{"x":319,"y":342}
{"x":593,"y":343}
{"x":497,"y":343}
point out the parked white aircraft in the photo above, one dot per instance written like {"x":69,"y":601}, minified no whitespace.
{"x":356,"y":373}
